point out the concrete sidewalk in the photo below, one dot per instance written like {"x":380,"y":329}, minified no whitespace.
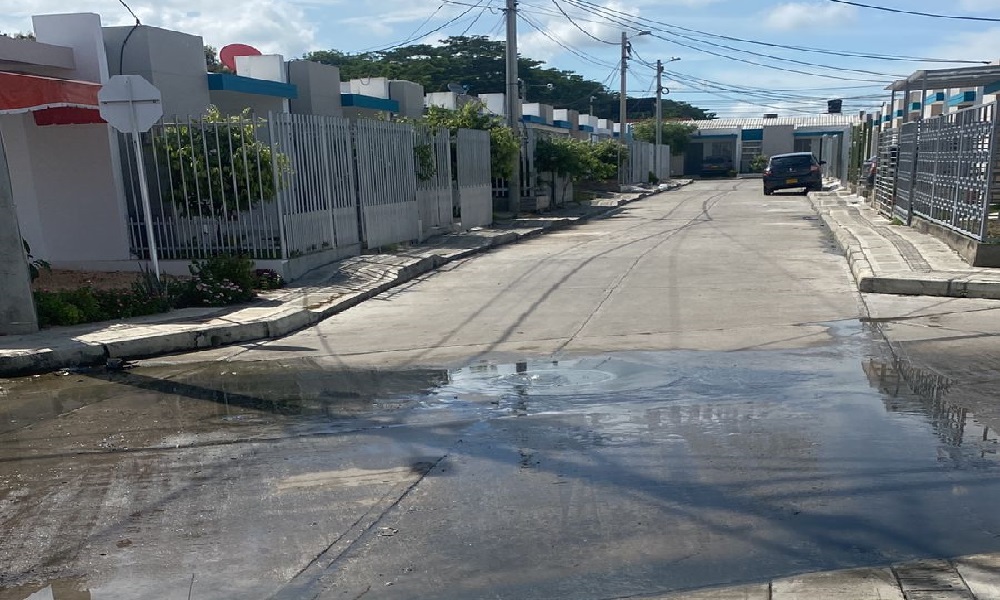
{"x":895,"y":259}
{"x":974,"y":577}
{"x":321,"y":293}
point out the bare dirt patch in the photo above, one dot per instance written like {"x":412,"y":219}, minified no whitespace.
{"x":58,"y":280}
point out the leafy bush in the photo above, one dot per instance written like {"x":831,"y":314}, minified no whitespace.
{"x":606,"y":158}
{"x":503,"y":141}
{"x":221,"y":280}
{"x":672,"y":133}
{"x":268,"y":279}
{"x":225,"y":167}
{"x":758,"y":163}
{"x":35,"y":265}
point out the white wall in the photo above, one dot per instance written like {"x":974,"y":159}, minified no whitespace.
{"x":65,"y":191}
{"x":82,"y":32}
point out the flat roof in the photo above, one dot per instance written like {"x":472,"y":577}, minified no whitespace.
{"x":948,"y":78}
{"x":823,"y":120}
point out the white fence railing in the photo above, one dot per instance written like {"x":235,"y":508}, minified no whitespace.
{"x":435,"y":202}
{"x":472,"y":153}
{"x":318,"y":198}
{"x":290,"y":186}
{"x":387,"y":182}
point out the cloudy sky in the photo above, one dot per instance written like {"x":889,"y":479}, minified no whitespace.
{"x":713,"y":72}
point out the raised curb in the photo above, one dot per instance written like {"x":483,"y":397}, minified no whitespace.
{"x":281,"y":323}
{"x":870,"y":283}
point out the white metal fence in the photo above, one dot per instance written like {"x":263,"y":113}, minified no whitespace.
{"x":387,"y":182}
{"x":435,"y":202}
{"x":944,"y":170}
{"x":290,"y":186}
{"x":472,"y":153}
{"x":642,"y":162}
{"x":317,"y":196}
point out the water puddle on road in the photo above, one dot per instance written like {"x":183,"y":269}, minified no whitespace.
{"x":836,"y":436}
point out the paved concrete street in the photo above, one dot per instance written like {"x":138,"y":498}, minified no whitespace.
{"x":688,"y":399}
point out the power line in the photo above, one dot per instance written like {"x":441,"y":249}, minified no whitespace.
{"x":474,"y":21}
{"x":917,"y":13}
{"x":585,"y":32}
{"x":645,"y":22}
{"x":416,"y":33}
{"x":583,"y":55}
{"x":597,"y":8}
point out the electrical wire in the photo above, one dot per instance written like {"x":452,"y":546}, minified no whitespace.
{"x":416,"y":35}
{"x":579,"y":53}
{"x":584,"y":4}
{"x":575,"y":24}
{"x":474,"y":21}
{"x":647,"y":23}
{"x":917,"y":13}
{"x":121,"y":52}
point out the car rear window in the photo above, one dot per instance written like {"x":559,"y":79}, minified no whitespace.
{"x":785,"y":162}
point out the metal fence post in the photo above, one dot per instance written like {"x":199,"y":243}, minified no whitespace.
{"x":992,"y":173}
{"x":279,"y":197}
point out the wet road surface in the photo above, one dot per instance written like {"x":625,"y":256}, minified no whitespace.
{"x":353,"y":463}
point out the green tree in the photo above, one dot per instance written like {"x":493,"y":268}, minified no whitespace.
{"x":503,"y":142}
{"x":224,"y":166}
{"x":478,"y":62}
{"x":674,"y":134}
{"x":212,"y":63}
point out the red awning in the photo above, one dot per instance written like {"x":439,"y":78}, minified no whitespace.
{"x":20,"y":93}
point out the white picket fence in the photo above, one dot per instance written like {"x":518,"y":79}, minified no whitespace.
{"x":475,"y":191}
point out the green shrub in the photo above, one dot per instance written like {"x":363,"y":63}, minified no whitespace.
{"x":220,"y":281}
{"x":268,"y":279}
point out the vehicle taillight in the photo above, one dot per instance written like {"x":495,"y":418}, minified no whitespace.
{"x":814,"y":168}
{"x":767,"y":172}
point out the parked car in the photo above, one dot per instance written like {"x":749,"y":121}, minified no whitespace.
{"x":794,"y":170}
{"x":716,"y":165}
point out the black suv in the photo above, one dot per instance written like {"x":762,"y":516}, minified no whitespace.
{"x":795,"y":170}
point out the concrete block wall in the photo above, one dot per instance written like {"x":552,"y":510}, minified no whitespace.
{"x":410,"y":97}
{"x":172,"y":61}
{"x":318,"y":87}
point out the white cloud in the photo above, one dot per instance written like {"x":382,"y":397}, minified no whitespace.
{"x":970,"y":46}
{"x":598,"y":37}
{"x":809,"y":15}
{"x":979,"y":5}
{"x":273,"y":26}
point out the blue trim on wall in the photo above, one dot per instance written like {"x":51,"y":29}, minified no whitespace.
{"x":227,"y":82}
{"x":992,"y":88}
{"x":936,"y":97}
{"x":587,"y":128}
{"x":562,"y":124}
{"x":886,"y":119}
{"x":752,"y":135}
{"x":728,"y":136}
{"x":899,"y":112}
{"x":361,"y":101}
{"x":816,"y":133}
{"x":533,"y":119}
{"x":915,"y":106}
{"x":962,"y":98}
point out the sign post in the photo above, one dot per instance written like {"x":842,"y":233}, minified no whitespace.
{"x":132,"y":105}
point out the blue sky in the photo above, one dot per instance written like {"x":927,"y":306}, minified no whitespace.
{"x":291,"y":27}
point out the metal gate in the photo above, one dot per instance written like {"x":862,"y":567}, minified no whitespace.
{"x":885,"y":176}
{"x":432,"y":150}
{"x":475,"y":198}
{"x":906,"y":165}
{"x":387,"y":182}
